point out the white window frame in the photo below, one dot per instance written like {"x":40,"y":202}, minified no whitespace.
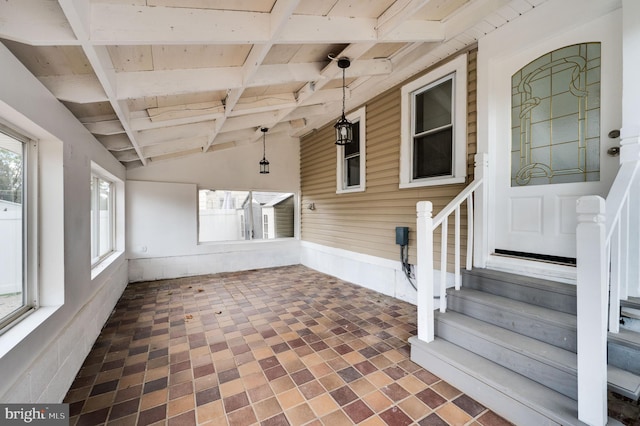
{"x":97,"y":173}
{"x":458,"y":68}
{"x":30,"y":260}
{"x":356,"y":117}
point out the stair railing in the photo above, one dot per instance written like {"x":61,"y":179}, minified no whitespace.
{"x":425,"y":227}
{"x":608,"y":233}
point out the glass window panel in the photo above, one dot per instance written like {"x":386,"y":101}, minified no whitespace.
{"x":541,"y":112}
{"x":433,"y":107}
{"x":541,"y":134}
{"x":565,"y":156}
{"x":353,"y":171}
{"x":541,"y":86}
{"x":564,"y":104}
{"x":353,"y":147}
{"x":433,"y":154}
{"x":105,"y":230}
{"x":565,"y":129}
{"x":561,"y":80}
{"x":94,"y":208}
{"x":12,"y":217}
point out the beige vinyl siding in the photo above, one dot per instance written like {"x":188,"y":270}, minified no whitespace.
{"x":365,"y":222}
{"x":283,"y":213}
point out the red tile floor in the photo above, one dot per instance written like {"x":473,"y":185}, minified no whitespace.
{"x":280,"y":346}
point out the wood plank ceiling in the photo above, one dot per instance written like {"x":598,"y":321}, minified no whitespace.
{"x":159,"y":79}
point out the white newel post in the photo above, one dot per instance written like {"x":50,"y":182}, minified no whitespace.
{"x":481,"y":218}
{"x":424,"y":279}
{"x":592,"y":311}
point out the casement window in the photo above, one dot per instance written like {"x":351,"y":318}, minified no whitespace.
{"x":351,"y":158}
{"x":102,"y":217}
{"x":434,"y":143}
{"x":18,"y":220}
{"x":244,"y":215}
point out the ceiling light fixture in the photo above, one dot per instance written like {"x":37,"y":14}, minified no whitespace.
{"x":344,"y":131}
{"x":264,"y":164}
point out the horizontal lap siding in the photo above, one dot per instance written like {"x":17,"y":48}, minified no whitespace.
{"x":365,"y":222}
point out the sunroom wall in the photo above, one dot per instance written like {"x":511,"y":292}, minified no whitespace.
{"x":352,"y":235}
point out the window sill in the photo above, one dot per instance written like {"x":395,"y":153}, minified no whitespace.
{"x":25,"y":326}
{"x":432,"y":182}
{"x":350,"y":190}
{"x":98,"y":268}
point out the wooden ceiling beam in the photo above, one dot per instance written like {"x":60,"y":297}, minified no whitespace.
{"x":77,"y":13}
{"x":142,"y":25}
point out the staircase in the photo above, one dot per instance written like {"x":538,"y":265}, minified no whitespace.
{"x":510,"y":342}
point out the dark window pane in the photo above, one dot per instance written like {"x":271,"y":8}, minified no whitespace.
{"x":433,"y":155}
{"x":433,"y":107}
{"x":353,"y":147}
{"x":353,"y":171}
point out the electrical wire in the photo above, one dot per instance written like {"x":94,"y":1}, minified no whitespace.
{"x":406,"y":267}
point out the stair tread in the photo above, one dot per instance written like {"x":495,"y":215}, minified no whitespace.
{"x":533,"y":311}
{"x":536,"y":396}
{"x":530,"y":347}
{"x":625,"y":337}
{"x":510,"y":278}
{"x":623,"y":382}
{"x":631,"y":302}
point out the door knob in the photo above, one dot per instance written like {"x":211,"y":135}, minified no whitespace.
{"x":614,"y":151}
{"x":614,"y":134}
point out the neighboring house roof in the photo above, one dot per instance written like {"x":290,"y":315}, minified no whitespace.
{"x":278,"y":200}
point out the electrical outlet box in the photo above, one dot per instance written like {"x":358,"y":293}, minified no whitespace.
{"x":402,"y":235}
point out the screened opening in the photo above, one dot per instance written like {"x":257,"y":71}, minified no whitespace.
{"x":225,"y":215}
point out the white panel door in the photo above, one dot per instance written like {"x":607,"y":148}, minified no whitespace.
{"x":558,"y":101}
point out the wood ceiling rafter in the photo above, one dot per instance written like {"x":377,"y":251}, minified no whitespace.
{"x":171,"y":78}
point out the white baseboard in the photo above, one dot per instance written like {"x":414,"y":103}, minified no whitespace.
{"x":234,"y":257}
{"x":375,"y":273}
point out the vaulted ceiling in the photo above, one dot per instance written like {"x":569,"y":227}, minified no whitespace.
{"x":159,"y":79}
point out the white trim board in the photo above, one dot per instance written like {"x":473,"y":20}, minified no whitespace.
{"x":375,"y":273}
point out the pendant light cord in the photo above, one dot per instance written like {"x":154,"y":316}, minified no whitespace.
{"x":343,"y":93}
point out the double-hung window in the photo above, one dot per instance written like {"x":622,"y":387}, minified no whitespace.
{"x":18,"y":292}
{"x":351,"y":158}
{"x":102,"y":218}
{"x":433,"y":145}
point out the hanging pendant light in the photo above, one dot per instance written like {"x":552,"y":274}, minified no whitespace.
{"x":344,"y":131}
{"x":264,"y":164}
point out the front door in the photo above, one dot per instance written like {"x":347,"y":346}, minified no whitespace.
{"x":554,"y":134}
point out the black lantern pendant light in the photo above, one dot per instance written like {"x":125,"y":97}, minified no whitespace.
{"x":264,"y":164}
{"x":344,"y":131}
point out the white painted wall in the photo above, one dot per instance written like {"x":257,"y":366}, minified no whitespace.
{"x":162,"y":211}
{"x":40,"y":357}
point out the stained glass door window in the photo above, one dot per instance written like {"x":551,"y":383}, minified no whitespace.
{"x":555,"y":118}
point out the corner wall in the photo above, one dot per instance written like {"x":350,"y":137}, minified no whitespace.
{"x":41,"y":355}
{"x":162,"y":211}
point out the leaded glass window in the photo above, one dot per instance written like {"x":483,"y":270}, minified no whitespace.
{"x":555,"y":120}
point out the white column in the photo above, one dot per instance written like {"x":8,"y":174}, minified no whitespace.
{"x":630,"y":131}
{"x":424,"y":278}
{"x":481,"y":212}
{"x":592,"y":311}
